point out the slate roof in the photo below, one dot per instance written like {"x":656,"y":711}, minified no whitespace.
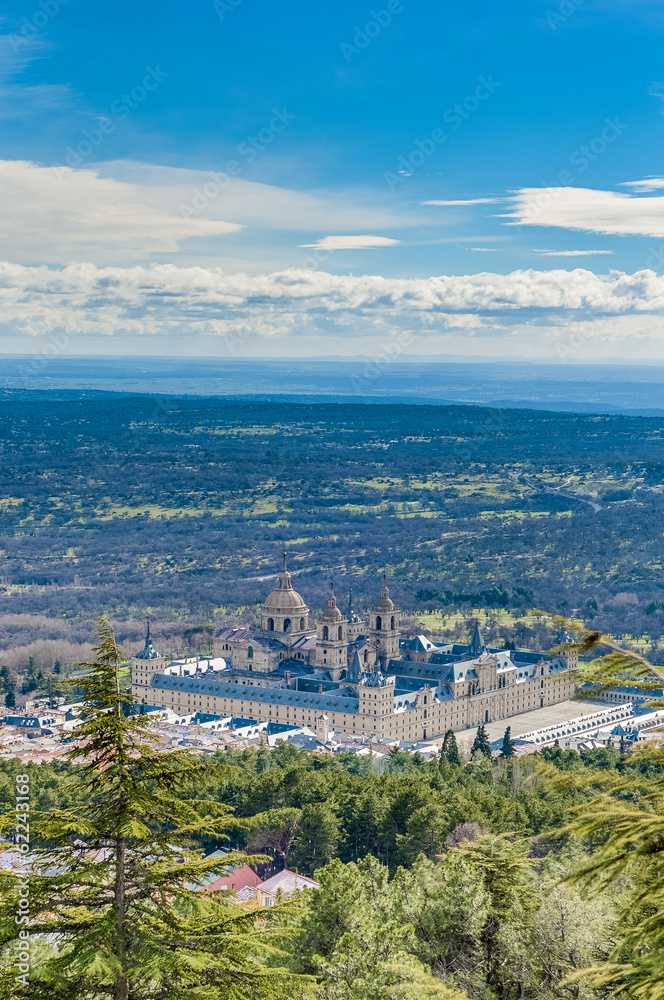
{"x":340,"y":701}
{"x":233,"y":634}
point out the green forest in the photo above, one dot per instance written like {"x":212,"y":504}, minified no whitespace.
{"x":179,"y":508}
{"x":515,"y":878}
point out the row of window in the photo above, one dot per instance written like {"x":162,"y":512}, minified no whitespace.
{"x":287,"y":625}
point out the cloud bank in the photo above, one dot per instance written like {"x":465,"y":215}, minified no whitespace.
{"x":161,"y":299}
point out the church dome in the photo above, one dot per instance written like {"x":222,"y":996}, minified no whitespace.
{"x":384,"y":602}
{"x":331,"y":613}
{"x":284,"y":598}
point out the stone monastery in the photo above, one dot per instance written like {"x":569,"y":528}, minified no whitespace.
{"x":358,"y":676}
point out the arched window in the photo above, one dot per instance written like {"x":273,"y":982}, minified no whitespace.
{"x":250,"y":652}
{"x":301,"y":624}
{"x":425,"y":699}
{"x":340,"y":633}
{"x":392,"y":622}
{"x":365,"y":656}
{"x":287,"y":624}
{"x":379,"y":623}
{"x":270,"y":624}
{"x":326,"y":632}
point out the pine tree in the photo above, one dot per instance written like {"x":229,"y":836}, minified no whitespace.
{"x":481,"y":742}
{"x":508,"y":744}
{"x":450,"y":750}
{"x":113,"y":880}
{"x":505,"y":868}
{"x":625,"y":818}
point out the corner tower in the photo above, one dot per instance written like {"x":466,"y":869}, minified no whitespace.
{"x":384,"y":627}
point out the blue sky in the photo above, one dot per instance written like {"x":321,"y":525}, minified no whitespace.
{"x":249,"y":138}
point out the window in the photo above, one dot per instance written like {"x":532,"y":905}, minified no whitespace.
{"x":392,"y":622}
{"x":379,"y":623}
{"x":326,"y":632}
{"x":301,"y":624}
{"x":340,"y":634}
{"x":287,"y":624}
{"x":250,"y":652}
{"x":270,"y":624}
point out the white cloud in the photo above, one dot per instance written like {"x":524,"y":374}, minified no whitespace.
{"x":122,"y":212}
{"x":81,"y":299}
{"x":484,"y":249}
{"x":351,"y":242}
{"x":642,"y":187}
{"x":468,"y":201}
{"x":572,"y":253}
{"x":609,"y":212}
{"x":58,"y":213}
{"x":263,"y":206}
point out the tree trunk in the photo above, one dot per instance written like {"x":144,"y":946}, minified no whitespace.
{"x":121,"y":987}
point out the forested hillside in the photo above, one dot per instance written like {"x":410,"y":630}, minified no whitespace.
{"x":181,"y":507}
{"x":435,"y":876}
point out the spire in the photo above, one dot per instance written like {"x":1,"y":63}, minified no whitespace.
{"x":384,"y":602}
{"x":355,"y":669}
{"x":350,"y":604}
{"x":332,"y":613}
{"x":284,"y":578}
{"x":476,"y":646}
{"x":148,"y":652}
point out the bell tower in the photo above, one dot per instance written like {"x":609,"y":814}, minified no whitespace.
{"x":384,"y":627}
{"x":332,"y":639}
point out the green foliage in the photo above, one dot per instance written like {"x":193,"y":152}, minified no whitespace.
{"x":507,"y":749}
{"x":481,"y":742}
{"x":450,"y":750}
{"x":114,"y":877}
{"x":355,"y":939}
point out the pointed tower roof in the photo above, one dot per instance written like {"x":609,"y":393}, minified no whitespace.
{"x":350,"y":614}
{"x":384,"y":602}
{"x":355,"y":669}
{"x":148,"y":652}
{"x":476,"y":645}
{"x":332,"y":613}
